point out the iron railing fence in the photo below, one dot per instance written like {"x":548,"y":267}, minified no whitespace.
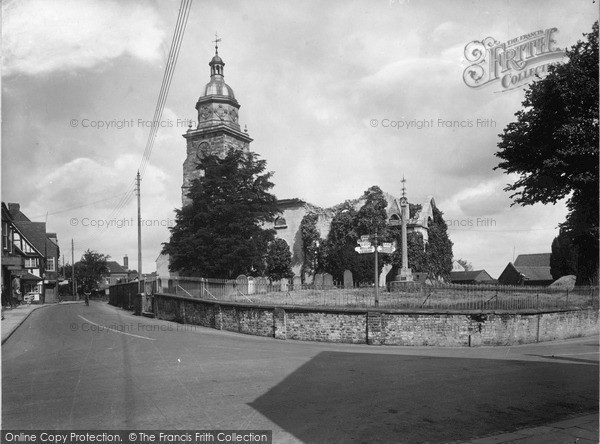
{"x":395,"y":295}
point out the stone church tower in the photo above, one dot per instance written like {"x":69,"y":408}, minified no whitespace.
{"x":218,"y":128}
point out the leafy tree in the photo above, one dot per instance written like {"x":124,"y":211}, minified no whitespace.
{"x":339,"y":254}
{"x":220,"y":234}
{"x":439,"y":248}
{"x":310,"y":236}
{"x":65,"y":271}
{"x":466,"y":265}
{"x":91,"y":269}
{"x":563,"y":260}
{"x":417,"y":259}
{"x":279,"y":260}
{"x":372,"y":217}
{"x":553,"y":148}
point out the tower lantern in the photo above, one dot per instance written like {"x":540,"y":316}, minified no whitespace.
{"x":218,"y":129}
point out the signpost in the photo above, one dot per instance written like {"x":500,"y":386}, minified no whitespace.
{"x":365,"y":247}
{"x":386,"y":247}
{"x":365,"y":250}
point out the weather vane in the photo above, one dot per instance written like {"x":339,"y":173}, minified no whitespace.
{"x":216,"y":41}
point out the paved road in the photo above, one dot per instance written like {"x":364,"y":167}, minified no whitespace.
{"x":77,"y":367}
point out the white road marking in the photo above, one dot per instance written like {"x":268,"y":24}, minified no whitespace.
{"x":576,"y":354}
{"x":116,"y":331}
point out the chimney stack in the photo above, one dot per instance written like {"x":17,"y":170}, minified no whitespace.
{"x":126,"y":263}
{"x":14,"y":208}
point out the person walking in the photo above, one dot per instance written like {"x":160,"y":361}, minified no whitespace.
{"x":16,"y":291}
{"x":86,"y":295}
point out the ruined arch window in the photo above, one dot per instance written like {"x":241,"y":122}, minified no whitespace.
{"x":394,"y":219}
{"x":280,"y":223}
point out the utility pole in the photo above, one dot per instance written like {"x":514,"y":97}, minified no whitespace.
{"x":139,"y":227}
{"x":73,"y":268}
{"x":376,"y":274}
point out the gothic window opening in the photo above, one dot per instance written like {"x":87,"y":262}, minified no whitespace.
{"x":280,"y":222}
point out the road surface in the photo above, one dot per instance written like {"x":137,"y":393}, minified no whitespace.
{"x":99,"y":367}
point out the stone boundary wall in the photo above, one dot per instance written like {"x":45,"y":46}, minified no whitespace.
{"x":380,"y":326}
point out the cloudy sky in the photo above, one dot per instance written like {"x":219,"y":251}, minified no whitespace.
{"x":319,"y":84}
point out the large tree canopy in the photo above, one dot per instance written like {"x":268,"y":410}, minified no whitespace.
{"x":279,"y":260}
{"x":220,"y":234}
{"x":90,"y":270}
{"x":553,"y":148}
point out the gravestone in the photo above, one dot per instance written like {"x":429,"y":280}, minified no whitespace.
{"x":327,"y":281}
{"x":318,"y":280}
{"x":348,"y":281}
{"x":251,"y":285}
{"x":284,"y":284}
{"x":261,"y":285}
{"x":242,"y":283}
{"x":297,"y":283}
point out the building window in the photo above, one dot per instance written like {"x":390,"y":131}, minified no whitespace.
{"x":280,"y":223}
{"x":31,"y":262}
{"x":17,"y":241}
{"x":5,"y":243}
{"x":50,"y":264}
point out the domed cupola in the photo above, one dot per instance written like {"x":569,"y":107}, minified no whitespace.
{"x":217,"y":104}
{"x":217,"y":85}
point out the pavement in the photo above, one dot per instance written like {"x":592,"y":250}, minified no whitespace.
{"x":578,"y":429}
{"x":12,"y":318}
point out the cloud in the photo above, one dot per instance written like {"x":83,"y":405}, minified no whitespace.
{"x":41,"y":37}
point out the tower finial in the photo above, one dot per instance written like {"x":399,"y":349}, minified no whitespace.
{"x":216,"y":42}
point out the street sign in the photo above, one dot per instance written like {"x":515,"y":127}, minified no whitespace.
{"x":363,"y":244}
{"x":394,"y":222}
{"x":387,"y":247}
{"x":364,"y":238}
{"x":361,"y":250}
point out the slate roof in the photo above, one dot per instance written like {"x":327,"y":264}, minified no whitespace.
{"x":470,"y":276}
{"x":536,"y":273}
{"x":115,"y":268}
{"x":533,"y":260}
{"x":35,"y":232}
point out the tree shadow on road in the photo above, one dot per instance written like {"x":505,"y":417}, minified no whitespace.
{"x":358,"y":397}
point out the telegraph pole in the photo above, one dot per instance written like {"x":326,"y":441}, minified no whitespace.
{"x":376,"y":274}
{"x":139,"y":227}
{"x":73,"y":268}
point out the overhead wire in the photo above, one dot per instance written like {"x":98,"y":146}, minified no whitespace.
{"x":172,"y":58}
{"x":182,"y":19}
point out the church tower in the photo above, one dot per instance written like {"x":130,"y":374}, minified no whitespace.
{"x":218,"y":128}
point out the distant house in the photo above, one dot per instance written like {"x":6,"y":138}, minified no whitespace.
{"x":117,"y":273}
{"x":471,"y":277}
{"x":528,"y":269}
{"x":457,"y":266}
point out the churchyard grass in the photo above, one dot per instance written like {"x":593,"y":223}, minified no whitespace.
{"x":394,"y":296}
